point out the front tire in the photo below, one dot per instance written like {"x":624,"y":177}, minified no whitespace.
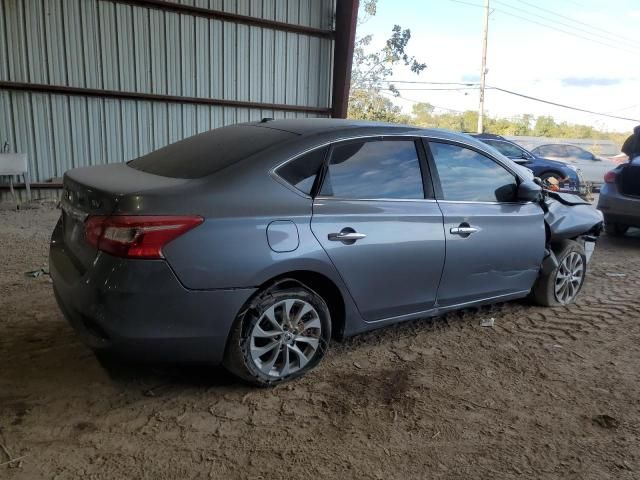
{"x":561,"y":285}
{"x":280,"y":336}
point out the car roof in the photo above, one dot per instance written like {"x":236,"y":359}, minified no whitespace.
{"x":339,"y":126}
{"x":559,"y":144}
{"x":307,"y":126}
{"x":488,"y":136}
{"x":335,"y":128}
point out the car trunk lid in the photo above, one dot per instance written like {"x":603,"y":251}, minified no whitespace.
{"x":629,"y":180}
{"x":99,"y":191}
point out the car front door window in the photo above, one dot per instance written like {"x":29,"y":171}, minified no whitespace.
{"x":468,"y":176}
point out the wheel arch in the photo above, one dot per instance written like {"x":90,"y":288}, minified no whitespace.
{"x":315,"y":281}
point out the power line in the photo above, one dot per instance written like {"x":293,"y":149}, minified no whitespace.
{"x":466,"y":84}
{"x":577,"y":21}
{"x":435,"y":89}
{"x":624,"y":109}
{"x":577,"y":109}
{"x":536,"y":22}
{"x":607,"y":38}
{"x":418,"y":101}
{"x":535,"y":99}
{"x":567,"y":32}
{"x":467,"y":3}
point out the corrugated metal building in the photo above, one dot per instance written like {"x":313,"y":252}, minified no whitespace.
{"x":86,"y":82}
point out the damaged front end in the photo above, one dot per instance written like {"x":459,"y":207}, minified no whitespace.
{"x":569,"y":217}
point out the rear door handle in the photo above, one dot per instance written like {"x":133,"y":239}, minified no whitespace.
{"x":463,"y":230}
{"x":346,"y":236}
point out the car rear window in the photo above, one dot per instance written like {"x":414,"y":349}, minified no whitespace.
{"x":205,"y":154}
{"x":302,"y":171}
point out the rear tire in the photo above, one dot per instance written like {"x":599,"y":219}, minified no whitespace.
{"x":562,"y":285}
{"x":614,"y":229}
{"x":280,"y":336}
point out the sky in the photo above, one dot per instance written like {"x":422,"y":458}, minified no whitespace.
{"x":601,"y":74}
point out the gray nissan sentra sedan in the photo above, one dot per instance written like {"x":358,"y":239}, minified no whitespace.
{"x":253,"y":245}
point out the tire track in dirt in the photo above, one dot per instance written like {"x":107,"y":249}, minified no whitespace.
{"x":594,"y":312}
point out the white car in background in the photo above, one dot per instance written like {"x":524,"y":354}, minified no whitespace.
{"x":593,"y":167}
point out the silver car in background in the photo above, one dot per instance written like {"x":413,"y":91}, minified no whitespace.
{"x":253,"y":245}
{"x":592,"y":167}
{"x":619,"y":199}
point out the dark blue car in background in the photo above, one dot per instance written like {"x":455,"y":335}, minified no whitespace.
{"x":568,"y":177}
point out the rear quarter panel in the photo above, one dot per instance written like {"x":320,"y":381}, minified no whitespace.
{"x":231,"y":249}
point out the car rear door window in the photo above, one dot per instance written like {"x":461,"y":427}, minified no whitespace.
{"x":384,"y":169}
{"x":468,"y":176}
{"x":302,"y":171}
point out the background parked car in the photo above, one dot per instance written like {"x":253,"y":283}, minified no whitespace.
{"x":593,"y":167}
{"x":620,"y":198}
{"x":568,"y":177}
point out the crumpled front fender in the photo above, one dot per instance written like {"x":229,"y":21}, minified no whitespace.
{"x":568,"y":216}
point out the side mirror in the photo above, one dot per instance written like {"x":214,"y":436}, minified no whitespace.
{"x":529,"y":191}
{"x":520,"y":160}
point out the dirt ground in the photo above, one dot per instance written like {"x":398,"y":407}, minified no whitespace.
{"x":545,"y":393}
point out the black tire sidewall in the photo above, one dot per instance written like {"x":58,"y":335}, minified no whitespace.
{"x":238,"y":359}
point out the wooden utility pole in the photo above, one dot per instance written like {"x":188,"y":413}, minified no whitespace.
{"x":483,"y":72}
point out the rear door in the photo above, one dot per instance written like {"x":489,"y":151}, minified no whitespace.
{"x":495,"y":244}
{"x":379,"y":226}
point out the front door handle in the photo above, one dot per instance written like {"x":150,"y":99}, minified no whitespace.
{"x":346,"y":236}
{"x":463,"y":230}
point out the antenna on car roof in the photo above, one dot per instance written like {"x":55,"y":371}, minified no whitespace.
{"x":266,"y":119}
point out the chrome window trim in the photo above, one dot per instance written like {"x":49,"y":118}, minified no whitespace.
{"x":343,"y":199}
{"x":425,"y":138}
{"x":475,"y":202}
{"x":432,"y":200}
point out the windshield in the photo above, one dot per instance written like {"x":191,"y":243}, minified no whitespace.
{"x":209,"y":152}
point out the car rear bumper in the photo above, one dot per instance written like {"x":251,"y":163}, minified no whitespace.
{"x":619,"y":208}
{"x":139,"y":308}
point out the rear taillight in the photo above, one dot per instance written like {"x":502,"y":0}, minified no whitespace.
{"x":136,"y":236}
{"x":610,"y":176}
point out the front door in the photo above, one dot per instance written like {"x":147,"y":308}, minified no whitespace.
{"x":381,"y":231}
{"x":495,"y":244}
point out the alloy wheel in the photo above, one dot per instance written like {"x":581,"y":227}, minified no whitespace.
{"x":285,"y":338}
{"x":569,"y":277}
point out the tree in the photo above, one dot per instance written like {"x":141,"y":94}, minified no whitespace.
{"x":365,"y":105}
{"x":371,"y":69}
{"x":424,"y":115}
{"x":545,"y":127}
